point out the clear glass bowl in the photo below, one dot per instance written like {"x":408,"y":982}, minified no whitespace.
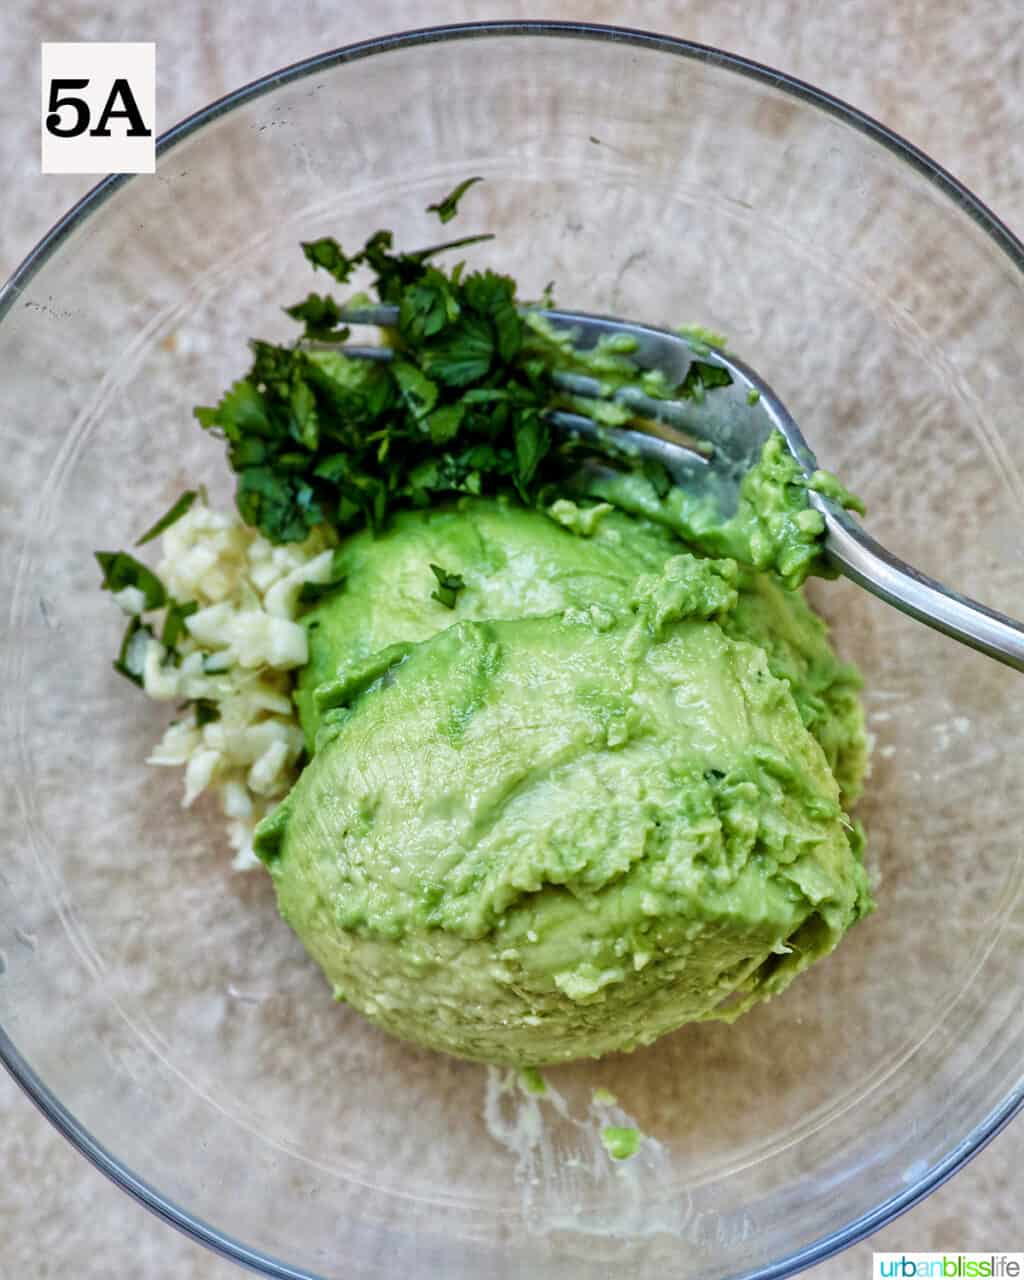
{"x":151,"y":1000}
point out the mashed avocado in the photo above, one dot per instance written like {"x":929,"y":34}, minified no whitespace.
{"x":599,"y":798}
{"x":517,"y":563}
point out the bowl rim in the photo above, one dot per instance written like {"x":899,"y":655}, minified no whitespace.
{"x":22,"y":1072}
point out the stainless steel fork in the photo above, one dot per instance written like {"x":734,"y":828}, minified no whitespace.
{"x":737,"y":420}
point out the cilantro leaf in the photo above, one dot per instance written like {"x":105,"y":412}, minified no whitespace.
{"x":241,"y":411}
{"x":174,"y":621}
{"x":494,"y":297}
{"x":130,"y":660}
{"x":362,"y":494}
{"x":321,"y":316}
{"x":421,"y":255}
{"x":314,"y":592}
{"x":329,"y":255}
{"x":417,"y":390}
{"x":444,"y":423}
{"x":447,"y":208}
{"x":169,"y":517}
{"x":122,"y":570}
{"x":304,"y":424}
{"x":356,"y":392}
{"x":427,"y":307}
{"x":702,"y":377}
{"x":283,"y":505}
{"x":334,"y":469}
{"x":206,"y":711}
{"x":462,"y":354}
{"x":448,"y":586}
{"x":533,"y":440}
{"x":396,"y":272}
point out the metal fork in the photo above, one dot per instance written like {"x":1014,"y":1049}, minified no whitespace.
{"x":737,"y":422}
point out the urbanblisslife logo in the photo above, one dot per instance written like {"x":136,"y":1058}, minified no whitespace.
{"x":948,"y":1266}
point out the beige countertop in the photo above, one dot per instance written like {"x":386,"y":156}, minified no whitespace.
{"x":952,"y":81}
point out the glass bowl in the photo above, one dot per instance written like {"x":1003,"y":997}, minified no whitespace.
{"x":152,"y":1002}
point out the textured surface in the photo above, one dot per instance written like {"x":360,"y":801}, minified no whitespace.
{"x":949,"y":81}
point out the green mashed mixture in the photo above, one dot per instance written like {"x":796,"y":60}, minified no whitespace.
{"x":601,"y":796}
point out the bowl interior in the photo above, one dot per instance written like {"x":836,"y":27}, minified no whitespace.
{"x":156,"y":994}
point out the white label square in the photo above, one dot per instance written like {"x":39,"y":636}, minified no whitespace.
{"x":99,"y":108}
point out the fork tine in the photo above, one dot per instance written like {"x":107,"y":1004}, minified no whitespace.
{"x":726,"y":420}
{"x":676,"y":458}
{"x":383,"y":316}
{"x":674,"y":413}
{"x":379,"y":354}
{"x":655,"y":348}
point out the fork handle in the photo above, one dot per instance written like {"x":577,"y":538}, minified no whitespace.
{"x":863,"y":560}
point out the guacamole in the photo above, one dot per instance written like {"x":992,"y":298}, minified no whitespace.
{"x":600,"y":796}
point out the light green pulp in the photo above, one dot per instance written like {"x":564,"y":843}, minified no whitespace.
{"x":517,"y":563}
{"x":621,"y":1143}
{"x":773,"y":528}
{"x":600,"y":798}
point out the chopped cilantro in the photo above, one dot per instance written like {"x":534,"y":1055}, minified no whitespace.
{"x":447,"y":208}
{"x":278,"y":502}
{"x":315,"y":435}
{"x":130,"y":660}
{"x":415,"y":388}
{"x":169,"y":517}
{"x":448,"y":586}
{"x":314,"y":592}
{"x":428,"y":305}
{"x":533,"y":440}
{"x":122,"y":570}
{"x":393,"y":271}
{"x":328,"y":254}
{"x":322,"y":317}
{"x":702,"y":377}
{"x":463,"y":353}
{"x":205,"y":711}
{"x":174,"y":621}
